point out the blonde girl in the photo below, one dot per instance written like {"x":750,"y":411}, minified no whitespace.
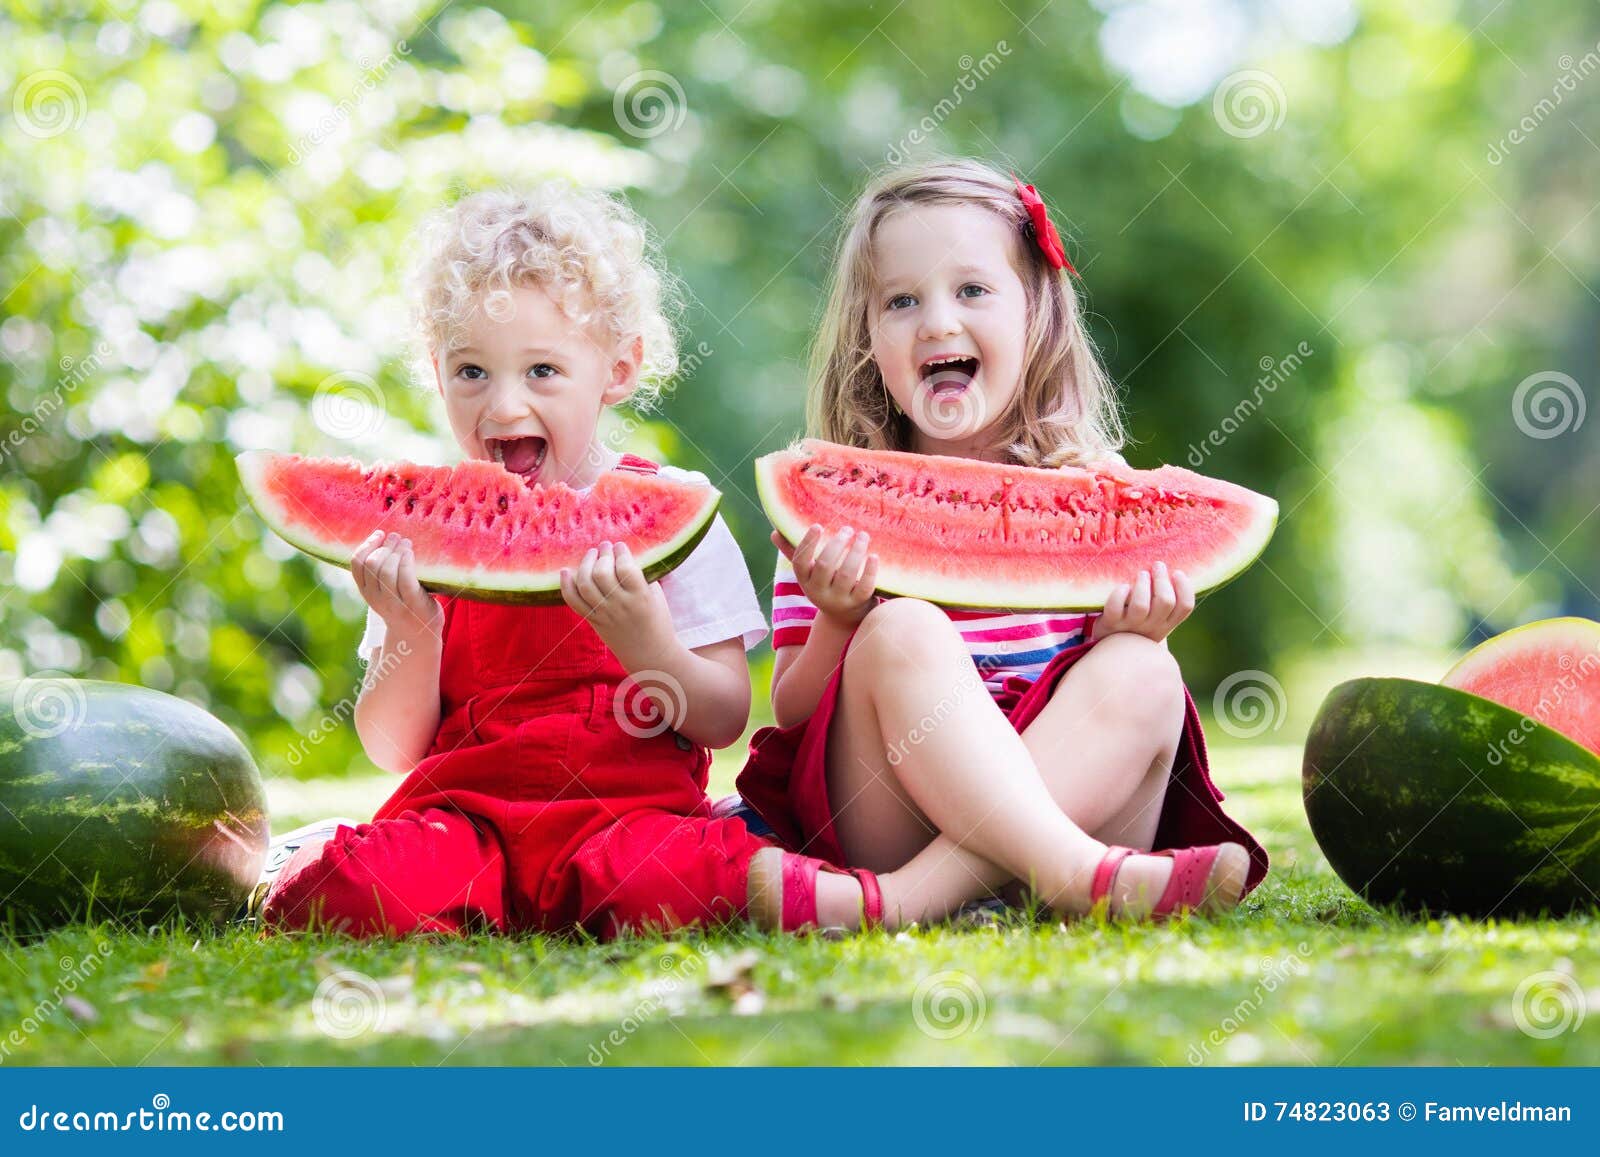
{"x":971,"y":753}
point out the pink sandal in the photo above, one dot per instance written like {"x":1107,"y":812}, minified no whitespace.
{"x":789,"y":902}
{"x":1207,"y":879}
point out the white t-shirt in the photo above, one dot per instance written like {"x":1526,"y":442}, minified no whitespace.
{"x":709,"y":594}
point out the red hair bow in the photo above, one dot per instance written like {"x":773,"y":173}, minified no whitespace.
{"x":1044,"y":233}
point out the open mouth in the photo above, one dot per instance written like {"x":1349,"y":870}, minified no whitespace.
{"x":949,"y":373}
{"x":521,"y":456}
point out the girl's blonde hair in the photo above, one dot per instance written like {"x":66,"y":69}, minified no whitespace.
{"x":588,"y":250}
{"x":1065,"y":411}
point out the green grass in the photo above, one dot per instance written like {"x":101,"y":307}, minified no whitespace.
{"x":1302,"y":973}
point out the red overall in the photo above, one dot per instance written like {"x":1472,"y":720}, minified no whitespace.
{"x":534,"y":808}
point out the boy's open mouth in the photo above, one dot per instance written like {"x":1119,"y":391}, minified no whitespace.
{"x":521,"y":456}
{"x":948,"y":372}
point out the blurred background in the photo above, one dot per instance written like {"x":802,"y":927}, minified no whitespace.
{"x":1342,"y":253}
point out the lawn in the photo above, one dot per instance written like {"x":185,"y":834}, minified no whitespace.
{"x":1302,"y":973}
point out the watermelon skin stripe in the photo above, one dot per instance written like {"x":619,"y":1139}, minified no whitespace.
{"x":974,"y":553}
{"x":1419,"y":799}
{"x":260,"y":472}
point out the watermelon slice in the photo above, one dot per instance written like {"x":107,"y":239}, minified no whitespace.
{"x":1549,"y":671}
{"x":965,"y":533}
{"x":476,"y":529}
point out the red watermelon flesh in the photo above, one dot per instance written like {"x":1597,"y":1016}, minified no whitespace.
{"x":965,"y":533}
{"x":1548,"y":671}
{"x":476,"y":528}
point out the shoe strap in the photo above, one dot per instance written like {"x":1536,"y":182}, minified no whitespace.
{"x":1191,"y":867}
{"x":799,"y":892}
{"x":871,"y":898}
{"x":1106,"y":871}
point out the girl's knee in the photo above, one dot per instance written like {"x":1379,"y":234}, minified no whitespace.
{"x":1139,"y":672}
{"x":905,"y":631}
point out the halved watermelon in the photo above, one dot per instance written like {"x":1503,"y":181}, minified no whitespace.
{"x":476,"y":529}
{"x":1432,"y":798}
{"x":965,"y":533}
{"x":1548,"y":670}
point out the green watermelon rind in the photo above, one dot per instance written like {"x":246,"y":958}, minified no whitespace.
{"x":80,"y":837}
{"x":1419,"y":799}
{"x":525,"y":589}
{"x":1225,"y":567}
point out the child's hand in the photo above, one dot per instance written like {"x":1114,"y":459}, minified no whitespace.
{"x":610,"y":590}
{"x":1149,"y":606}
{"x":386,"y":575}
{"x":837,"y":574}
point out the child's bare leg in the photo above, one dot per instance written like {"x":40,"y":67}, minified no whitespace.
{"x":1106,"y":740}
{"x":917,"y":715}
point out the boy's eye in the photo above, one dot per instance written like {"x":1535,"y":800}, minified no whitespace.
{"x":902,"y":301}
{"x":543,"y":370}
{"x":976,"y":290}
{"x":472,"y":373}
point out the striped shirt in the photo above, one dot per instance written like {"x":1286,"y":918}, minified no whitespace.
{"x":1001,"y":643}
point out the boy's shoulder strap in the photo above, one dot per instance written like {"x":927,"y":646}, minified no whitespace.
{"x":638,"y":464}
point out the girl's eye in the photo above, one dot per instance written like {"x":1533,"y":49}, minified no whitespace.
{"x":976,"y":290}
{"x":902,"y":301}
{"x":543,"y":370}
{"x":472,"y":373}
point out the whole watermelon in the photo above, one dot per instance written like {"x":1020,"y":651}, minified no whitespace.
{"x":1435,"y":799}
{"x":120,"y":802}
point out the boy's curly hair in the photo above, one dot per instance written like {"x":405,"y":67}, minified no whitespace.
{"x":587,"y":249}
